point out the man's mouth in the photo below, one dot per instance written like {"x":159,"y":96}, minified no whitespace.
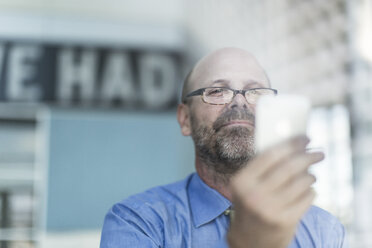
{"x":236,"y":117}
{"x":233,"y":123}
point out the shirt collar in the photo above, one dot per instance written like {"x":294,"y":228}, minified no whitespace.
{"x":206,"y":203}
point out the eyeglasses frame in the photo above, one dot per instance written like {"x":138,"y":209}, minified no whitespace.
{"x":201,"y":91}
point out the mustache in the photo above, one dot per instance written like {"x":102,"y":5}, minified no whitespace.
{"x":232,"y":115}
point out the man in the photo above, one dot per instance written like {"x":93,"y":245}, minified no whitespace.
{"x":269,"y":193}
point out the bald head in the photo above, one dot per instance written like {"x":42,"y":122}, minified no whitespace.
{"x":225,"y":65}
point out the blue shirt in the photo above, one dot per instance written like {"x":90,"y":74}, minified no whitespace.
{"x":190,"y":214}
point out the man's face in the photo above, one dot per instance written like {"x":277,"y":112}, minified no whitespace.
{"x":224,"y":134}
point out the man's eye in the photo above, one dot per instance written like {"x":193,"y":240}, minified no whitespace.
{"x":254,"y":92}
{"x":215,"y":92}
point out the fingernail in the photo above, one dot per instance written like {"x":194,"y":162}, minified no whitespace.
{"x":302,"y":140}
{"x":318,"y":155}
{"x":315,"y":149}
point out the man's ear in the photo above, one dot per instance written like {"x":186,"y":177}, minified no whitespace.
{"x":183,"y":117}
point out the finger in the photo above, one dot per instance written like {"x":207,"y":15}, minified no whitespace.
{"x":288,"y":194}
{"x":287,"y":170}
{"x":268,"y":159}
{"x":248,"y":177}
{"x":294,"y":212}
{"x":284,"y":196}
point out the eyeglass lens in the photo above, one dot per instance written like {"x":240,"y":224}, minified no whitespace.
{"x":224,"y":95}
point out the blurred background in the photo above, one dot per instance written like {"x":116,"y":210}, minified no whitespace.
{"x":88,"y":93}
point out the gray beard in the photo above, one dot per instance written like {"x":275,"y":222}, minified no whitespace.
{"x":224,"y":150}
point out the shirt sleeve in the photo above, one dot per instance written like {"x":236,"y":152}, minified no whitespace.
{"x":120,"y":232}
{"x":336,"y":235}
{"x":222,"y":244}
{"x":342,"y":240}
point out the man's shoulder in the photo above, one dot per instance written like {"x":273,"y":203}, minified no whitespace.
{"x":322,"y":227}
{"x":158,"y":200}
{"x":162,"y":193}
{"x":320,"y":217}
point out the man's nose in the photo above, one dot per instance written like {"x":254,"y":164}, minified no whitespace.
{"x":239,"y":101}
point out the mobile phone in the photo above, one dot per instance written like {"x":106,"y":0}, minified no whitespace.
{"x":279,"y":118}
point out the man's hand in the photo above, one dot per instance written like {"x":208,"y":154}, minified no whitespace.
{"x":271,"y":195}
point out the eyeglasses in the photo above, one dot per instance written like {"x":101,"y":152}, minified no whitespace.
{"x":224,"y":95}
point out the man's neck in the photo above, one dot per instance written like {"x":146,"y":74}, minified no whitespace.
{"x":212,"y":179}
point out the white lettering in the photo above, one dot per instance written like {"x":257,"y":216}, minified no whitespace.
{"x":2,"y":50}
{"x":22,"y":59}
{"x":76,"y":75}
{"x":117,"y":80}
{"x":157,"y":79}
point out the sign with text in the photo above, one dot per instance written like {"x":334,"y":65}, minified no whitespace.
{"x":89,"y":76}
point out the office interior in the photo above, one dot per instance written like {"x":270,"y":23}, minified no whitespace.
{"x":89,"y":90}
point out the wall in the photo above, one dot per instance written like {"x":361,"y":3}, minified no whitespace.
{"x":99,"y":158}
